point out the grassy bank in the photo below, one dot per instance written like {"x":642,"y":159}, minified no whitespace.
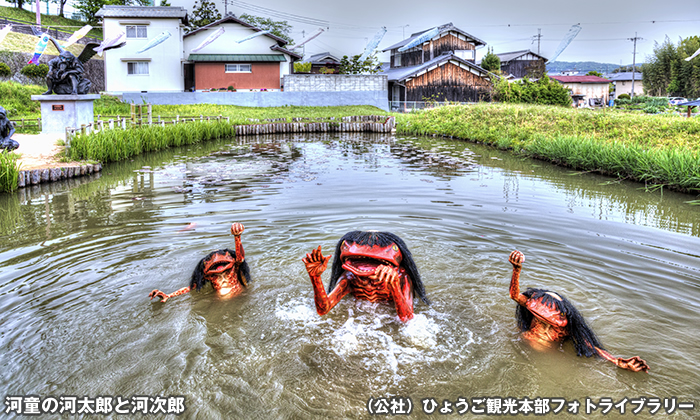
{"x":62,"y":24}
{"x":660,"y":150}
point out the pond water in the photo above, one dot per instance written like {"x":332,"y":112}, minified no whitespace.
{"x":78,"y":259}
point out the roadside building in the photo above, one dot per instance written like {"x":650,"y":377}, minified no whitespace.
{"x":623,"y":83}
{"x":258,"y":63}
{"x":586,"y":91}
{"x":241,"y":57}
{"x":324,"y":60}
{"x":519,"y":64}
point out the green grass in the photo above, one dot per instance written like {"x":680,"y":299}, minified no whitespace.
{"x":662,"y":150}
{"x":16,"y":99}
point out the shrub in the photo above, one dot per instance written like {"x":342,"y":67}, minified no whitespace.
{"x":624,"y":96}
{"x":231,"y":88}
{"x":5,"y":70}
{"x":301,"y":67}
{"x":36,"y":71}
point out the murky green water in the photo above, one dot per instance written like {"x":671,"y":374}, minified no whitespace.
{"x":78,"y":259}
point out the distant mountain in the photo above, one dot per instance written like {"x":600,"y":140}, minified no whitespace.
{"x":582,"y":67}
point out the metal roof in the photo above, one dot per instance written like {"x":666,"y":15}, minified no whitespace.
{"x":237,"y":58}
{"x":403,"y":73}
{"x":142,"y":12}
{"x":323,"y":58}
{"x":443,"y":28}
{"x":624,"y":76}
{"x":690,"y":103}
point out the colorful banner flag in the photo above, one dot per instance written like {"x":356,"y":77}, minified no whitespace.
{"x":77,"y":35}
{"x":155,"y":41}
{"x":372,"y":45}
{"x":110,"y":43}
{"x":426,"y":36}
{"x":39,"y":49}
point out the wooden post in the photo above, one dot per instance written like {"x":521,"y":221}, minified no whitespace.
{"x":133,"y":113}
{"x":150,"y":115}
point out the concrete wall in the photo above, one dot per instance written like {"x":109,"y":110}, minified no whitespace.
{"x":378,"y":98}
{"x":336,"y":83}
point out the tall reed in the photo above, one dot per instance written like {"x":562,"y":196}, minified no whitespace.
{"x":9,"y":171}
{"x":114,"y":145}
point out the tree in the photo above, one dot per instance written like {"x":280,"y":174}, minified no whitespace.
{"x":594,"y":73}
{"x":354,"y":66}
{"x":204,"y":14}
{"x":281,"y":28}
{"x":89,"y":8}
{"x":667,"y":73}
{"x":544,"y":91}
{"x":491,"y":62}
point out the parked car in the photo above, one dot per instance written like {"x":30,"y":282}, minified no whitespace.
{"x":675,"y":100}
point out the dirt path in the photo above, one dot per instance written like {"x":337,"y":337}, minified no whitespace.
{"x":40,"y":151}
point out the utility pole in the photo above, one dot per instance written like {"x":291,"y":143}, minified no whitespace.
{"x":634,"y":59}
{"x":538,"y":36}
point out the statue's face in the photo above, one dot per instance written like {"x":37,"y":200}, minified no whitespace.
{"x":363,"y":260}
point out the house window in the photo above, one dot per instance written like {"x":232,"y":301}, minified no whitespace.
{"x":397,"y":60}
{"x":137,"y":67}
{"x":136,"y":31}
{"x":239,"y":68}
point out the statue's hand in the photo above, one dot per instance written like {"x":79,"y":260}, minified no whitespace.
{"x":386,"y":274}
{"x":158,"y":293}
{"x":315,"y":262}
{"x":517,"y":259}
{"x":635,"y":364}
{"x":237,"y":229}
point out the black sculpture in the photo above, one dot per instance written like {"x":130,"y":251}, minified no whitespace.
{"x":6,"y":131}
{"x":65,"y":75}
{"x":66,"y":72}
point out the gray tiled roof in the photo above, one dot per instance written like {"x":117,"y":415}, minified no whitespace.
{"x":403,"y":73}
{"x":508,"y":56}
{"x":142,"y":12}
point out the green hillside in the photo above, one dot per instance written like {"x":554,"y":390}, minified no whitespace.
{"x":582,"y":67}
{"x":54,"y":22}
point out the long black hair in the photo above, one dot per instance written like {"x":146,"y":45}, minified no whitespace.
{"x":585,"y":340}
{"x":198,"y":280}
{"x":382,"y":239}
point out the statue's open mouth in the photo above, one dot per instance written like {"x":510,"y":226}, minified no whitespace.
{"x":363,"y":266}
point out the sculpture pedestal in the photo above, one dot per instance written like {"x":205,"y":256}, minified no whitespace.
{"x":61,"y":111}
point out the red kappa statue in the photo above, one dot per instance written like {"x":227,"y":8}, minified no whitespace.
{"x":546,"y":317}
{"x":226,"y":270}
{"x":374,"y":266}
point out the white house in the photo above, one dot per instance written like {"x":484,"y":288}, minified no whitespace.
{"x":159,"y":69}
{"x":243,"y":56}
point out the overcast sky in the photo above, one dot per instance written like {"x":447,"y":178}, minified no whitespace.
{"x":505,"y":25}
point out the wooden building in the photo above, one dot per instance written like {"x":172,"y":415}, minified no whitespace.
{"x":524,"y":63}
{"x":441,"y":68}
